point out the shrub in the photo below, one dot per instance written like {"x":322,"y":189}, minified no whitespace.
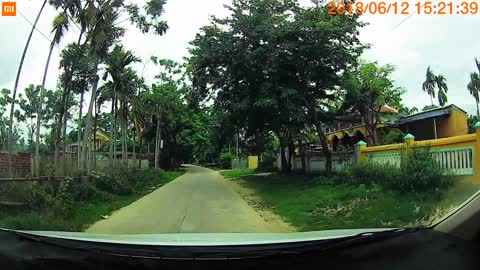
{"x":37,"y":196}
{"x":420,"y":171}
{"x":117,"y":182}
{"x":417,"y":172}
{"x":368,"y":173}
{"x":393,"y":136}
{"x":226,"y":160}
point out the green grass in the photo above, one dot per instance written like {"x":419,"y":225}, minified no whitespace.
{"x":84,"y":213}
{"x":310,"y":205}
{"x":237,"y":172}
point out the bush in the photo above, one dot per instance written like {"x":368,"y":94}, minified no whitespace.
{"x":417,"y":172}
{"x":393,"y":136}
{"x":369,"y":173}
{"x":226,"y":160}
{"x":420,"y":171}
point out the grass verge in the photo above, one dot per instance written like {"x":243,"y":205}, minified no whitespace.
{"x":310,"y":204}
{"x":84,"y":213}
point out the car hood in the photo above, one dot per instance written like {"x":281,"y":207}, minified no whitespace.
{"x":204,"y":239}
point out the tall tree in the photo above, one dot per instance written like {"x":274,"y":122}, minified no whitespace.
{"x":368,"y":88}
{"x":101,"y":35}
{"x":429,"y":84}
{"x":122,"y":87}
{"x":433,"y":82}
{"x":14,"y":93}
{"x":275,"y":65}
{"x":60,"y":25}
{"x":442,"y":87}
{"x":474,"y":86}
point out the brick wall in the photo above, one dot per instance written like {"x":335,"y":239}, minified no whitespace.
{"x":21,"y":163}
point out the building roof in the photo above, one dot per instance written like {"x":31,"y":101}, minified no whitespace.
{"x":432,"y":113}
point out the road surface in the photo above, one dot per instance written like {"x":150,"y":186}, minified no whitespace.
{"x":200,"y":201}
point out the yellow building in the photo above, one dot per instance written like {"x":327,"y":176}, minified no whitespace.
{"x":441,"y":122}
{"x":436,"y":123}
{"x":101,"y":139}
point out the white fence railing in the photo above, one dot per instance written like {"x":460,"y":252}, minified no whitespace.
{"x":392,"y":159}
{"x":457,"y":161}
{"x":340,"y":164}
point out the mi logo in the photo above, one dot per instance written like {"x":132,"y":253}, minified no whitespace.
{"x":9,"y":8}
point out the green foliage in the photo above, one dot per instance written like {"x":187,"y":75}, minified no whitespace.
{"x":471,"y":121}
{"x":393,"y":135}
{"x":117,"y":182}
{"x":226,"y":160}
{"x":433,"y":82}
{"x":418,"y":172}
{"x":237,"y":173}
{"x":271,"y":65}
{"x":367,"y":90}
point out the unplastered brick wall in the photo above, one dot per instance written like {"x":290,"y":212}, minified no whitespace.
{"x":21,"y":164}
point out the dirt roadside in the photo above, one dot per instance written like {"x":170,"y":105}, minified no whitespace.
{"x":275,"y":222}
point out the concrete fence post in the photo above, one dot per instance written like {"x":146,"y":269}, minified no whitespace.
{"x":476,"y":151}
{"x":358,"y":152}
{"x":409,"y":140}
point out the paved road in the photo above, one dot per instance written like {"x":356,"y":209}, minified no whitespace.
{"x":199,"y":201}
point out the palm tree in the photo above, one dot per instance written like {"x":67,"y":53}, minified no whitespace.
{"x":122,"y":87}
{"x":101,"y":34}
{"x":441,"y":82}
{"x":60,"y":25}
{"x":474,"y":85}
{"x":432,"y":82}
{"x":12,"y":108}
{"x":429,"y":84}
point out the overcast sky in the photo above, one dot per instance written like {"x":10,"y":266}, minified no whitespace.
{"x":449,"y":43}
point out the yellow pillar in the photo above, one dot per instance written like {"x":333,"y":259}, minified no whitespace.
{"x":409,"y":140}
{"x":476,"y":152}
{"x":359,"y":149}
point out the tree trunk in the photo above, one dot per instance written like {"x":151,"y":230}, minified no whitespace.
{"x":125,"y":138}
{"x":478,"y":112}
{"x":79,"y":129}
{"x":158,"y":138}
{"x":140,"y":154}
{"x":88,"y":124}
{"x":10,"y":142}
{"x":291,"y":151}
{"x":301,"y":149}
{"x":115,"y":132}
{"x":59,"y":126}
{"x":94,"y":150}
{"x":325,"y":149}
{"x":40,"y":114}
{"x":133,"y":158}
{"x":65,"y":119}
{"x":112,"y":132}
{"x":283,"y":159}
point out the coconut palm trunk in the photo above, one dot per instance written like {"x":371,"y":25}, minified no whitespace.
{"x":10,"y":142}
{"x":158,"y":139}
{"x":64,"y":141}
{"x":79,"y":129}
{"x":112,"y":132}
{"x":88,"y":124}
{"x":40,"y":114}
{"x":478,"y":112}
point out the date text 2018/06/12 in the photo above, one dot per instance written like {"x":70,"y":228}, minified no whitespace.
{"x":405,"y":8}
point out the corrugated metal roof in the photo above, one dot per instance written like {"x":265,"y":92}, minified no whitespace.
{"x":437,"y":112}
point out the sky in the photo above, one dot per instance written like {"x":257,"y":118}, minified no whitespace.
{"x":448,"y":43}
